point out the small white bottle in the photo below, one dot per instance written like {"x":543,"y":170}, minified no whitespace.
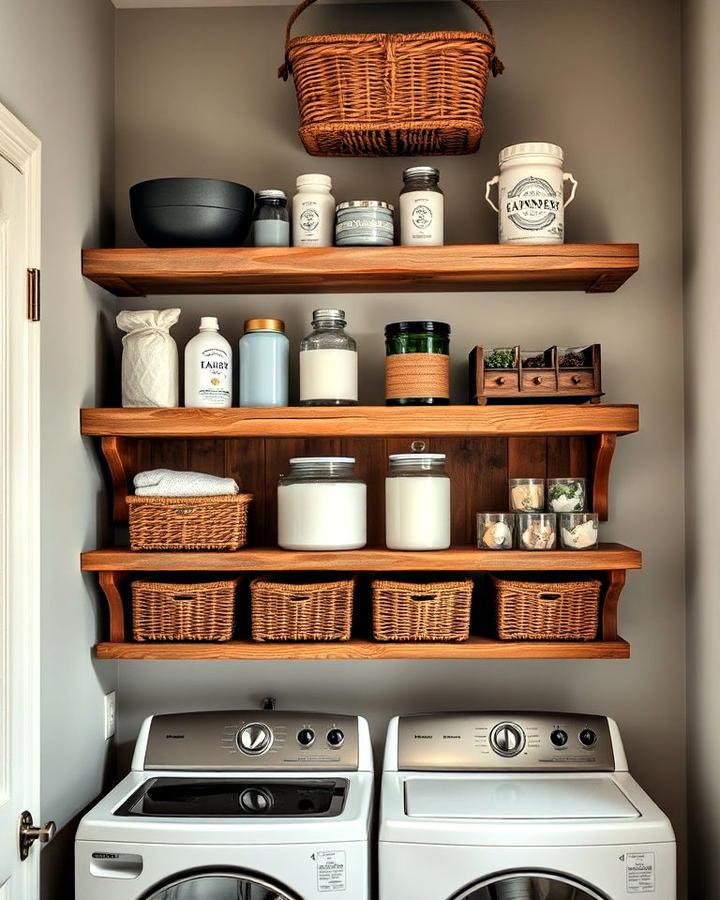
{"x":208,"y":367}
{"x":313,"y":214}
{"x":422,"y":208}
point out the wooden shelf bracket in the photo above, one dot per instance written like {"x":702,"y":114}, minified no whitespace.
{"x":602,"y":453}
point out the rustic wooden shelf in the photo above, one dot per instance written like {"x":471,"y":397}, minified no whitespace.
{"x":363,"y":421}
{"x":607,"y":557}
{"x":474,"y":648}
{"x":594,"y":268}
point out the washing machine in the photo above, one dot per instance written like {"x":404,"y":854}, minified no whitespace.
{"x":248,"y":805}
{"x":517,"y":806}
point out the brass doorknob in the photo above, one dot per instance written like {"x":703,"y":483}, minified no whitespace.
{"x":29,"y":833}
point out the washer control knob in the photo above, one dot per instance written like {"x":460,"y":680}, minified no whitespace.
{"x":335,"y":737}
{"x":588,"y":738}
{"x":255,"y":800}
{"x":254,"y":739}
{"x":507,"y":739}
{"x":558,"y":738}
{"x":306,"y":737}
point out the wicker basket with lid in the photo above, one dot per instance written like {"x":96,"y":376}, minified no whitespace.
{"x":391,"y":94}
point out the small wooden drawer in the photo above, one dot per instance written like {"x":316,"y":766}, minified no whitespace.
{"x":542,"y":381}
{"x":577,"y":380}
{"x":501,"y":381}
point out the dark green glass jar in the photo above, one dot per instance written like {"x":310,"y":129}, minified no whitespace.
{"x":417,"y":363}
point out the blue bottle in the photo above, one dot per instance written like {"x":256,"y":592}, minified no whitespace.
{"x":264,"y":359}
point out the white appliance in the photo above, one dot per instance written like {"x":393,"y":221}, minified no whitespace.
{"x":517,"y":806}
{"x":235,"y":806}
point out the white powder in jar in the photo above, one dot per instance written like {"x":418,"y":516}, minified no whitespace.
{"x":322,"y":516}
{"x":417,"y":513}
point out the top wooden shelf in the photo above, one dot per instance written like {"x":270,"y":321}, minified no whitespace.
{"x":594,"y":268}
{"x":363,"y":421}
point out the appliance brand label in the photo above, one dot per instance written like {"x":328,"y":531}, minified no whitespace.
{"x":330,"y":870}
{"x":640,"y":873}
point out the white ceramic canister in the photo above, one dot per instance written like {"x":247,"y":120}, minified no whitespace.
{"x":417,"y":502}
{"x":322,"y":505}
{"x":531,"y":194}
{"x":313,"y":212}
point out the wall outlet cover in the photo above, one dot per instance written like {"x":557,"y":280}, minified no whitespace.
{"x":110,"y":714}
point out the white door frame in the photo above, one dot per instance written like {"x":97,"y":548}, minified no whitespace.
{"x":22,"y":453}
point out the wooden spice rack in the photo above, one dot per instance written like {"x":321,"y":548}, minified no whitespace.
{"x":137,"y":272}
{"x":485,"y":446}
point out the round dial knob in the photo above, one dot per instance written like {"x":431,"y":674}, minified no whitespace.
{"x":507,"y":739}
{"x":335,"y":737}
{"x":559,"y":737}
{"x":306,"y":737}
{"x":255,"y":800}
{"x":588,"y":738}
{"x":254,"y":739}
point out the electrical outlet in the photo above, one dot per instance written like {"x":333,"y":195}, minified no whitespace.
{"x":110,"y":709}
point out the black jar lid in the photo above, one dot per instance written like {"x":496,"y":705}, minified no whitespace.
{"x":440,"y":328}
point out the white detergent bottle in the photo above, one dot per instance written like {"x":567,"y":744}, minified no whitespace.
{"x":208,"y":367}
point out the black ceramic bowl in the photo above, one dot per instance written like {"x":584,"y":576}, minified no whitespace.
{"x":191,"y":212}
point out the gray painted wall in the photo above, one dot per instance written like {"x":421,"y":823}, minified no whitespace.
{"x":197,"y":95}
{"x":56,"y":75}
{"x":702,"y":331}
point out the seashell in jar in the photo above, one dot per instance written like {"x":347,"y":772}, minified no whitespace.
{"x":527,"y":497}
{"x":497,"y":536}
{"x":581,"y":536}
{"x":539,"y":537}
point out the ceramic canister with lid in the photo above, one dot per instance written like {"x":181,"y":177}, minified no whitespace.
{"x":264,"y":353}
{"x":365,"y":223}
{"x":531,"y":194}
{"x":417,"y":502}
{"x":322,"y":505}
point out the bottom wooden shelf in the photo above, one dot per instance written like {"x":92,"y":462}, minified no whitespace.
{"x":474,"y":648}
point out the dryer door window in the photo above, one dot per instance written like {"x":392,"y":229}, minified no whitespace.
{"x":220,"y":886}
{"x":529,"y":886}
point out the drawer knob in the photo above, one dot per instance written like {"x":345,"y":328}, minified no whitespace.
{"x":500,"y":380}
{"x":537,"y":379}
{"x":576,"y":379}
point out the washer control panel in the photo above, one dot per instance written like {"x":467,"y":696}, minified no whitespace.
{"x":491,"y":742}
{"x":252,"y":740}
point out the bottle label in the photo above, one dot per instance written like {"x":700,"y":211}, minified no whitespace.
{"x":533,"y":204}
{"x":215,"y":377}
{"x":309,"y":220}
{"x":421,"y":218}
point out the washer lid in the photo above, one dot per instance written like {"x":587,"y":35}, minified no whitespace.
{"x":499,"y":797}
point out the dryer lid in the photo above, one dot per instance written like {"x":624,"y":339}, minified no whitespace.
{"x":499,"y":797}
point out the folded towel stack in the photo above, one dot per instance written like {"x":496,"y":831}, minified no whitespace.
{"x":168,"y":483}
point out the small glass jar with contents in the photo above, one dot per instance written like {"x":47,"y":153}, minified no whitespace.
{"x":271,"y":224}
{"x":536,"y":531}
{"x":527,"y":494}
{"x":495,"y":531}
{"x":328,"y":362}
{"x":566,"y":494}
{"x":365,"y":223}
{"x":579,"y":531}
{"x":417,"y":502}
{"x":417,"y":364}
{"x":322,"y":505}
{"x":422,"y":208}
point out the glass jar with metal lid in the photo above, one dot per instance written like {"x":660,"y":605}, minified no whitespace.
{"x":328,"y":362}
{"x":263,"y":355}
{"x":422,"y":208}
{"x":322,"y":505}
{"x":271,"y":224}
{"x":417,"y":363}
{"x":417,"y":502}
{"x":365,"y":223}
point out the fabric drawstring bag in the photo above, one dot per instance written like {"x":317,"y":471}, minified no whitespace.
{"x":150,"y":357}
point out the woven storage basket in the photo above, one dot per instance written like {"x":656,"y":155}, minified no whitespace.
{"x":189,"y":523}
{"x":528,"y":610}
{"x":284,"y":611}
{"x":391,"y":94}
{"x":408,"y":611}
{"x":183,"y":612}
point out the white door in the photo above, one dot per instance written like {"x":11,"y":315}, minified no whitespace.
{"x":19,"y":520}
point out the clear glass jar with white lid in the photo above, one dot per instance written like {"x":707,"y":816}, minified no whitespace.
{"x":322,"y":505}
{"x":417,"y":502}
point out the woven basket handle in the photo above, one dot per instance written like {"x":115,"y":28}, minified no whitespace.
{"x":544,"y":596}
{"x":422,"y":598}
{"x":284,"y":70}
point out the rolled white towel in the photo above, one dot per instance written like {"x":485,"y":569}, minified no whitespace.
{"x":169,"y":483}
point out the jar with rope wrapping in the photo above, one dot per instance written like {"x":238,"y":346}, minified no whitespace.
{"x":417,"y":363}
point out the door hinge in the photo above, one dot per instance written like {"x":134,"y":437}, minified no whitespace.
{"x":33,"y":295}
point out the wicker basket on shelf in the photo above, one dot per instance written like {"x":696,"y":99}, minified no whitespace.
{"x":536,"y":610}
{"x":189,"y":523}
{"x":286,"y":611}
{"x":412,"y":611}
{"x":183,"y":612}
{"x":391,"y":94}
